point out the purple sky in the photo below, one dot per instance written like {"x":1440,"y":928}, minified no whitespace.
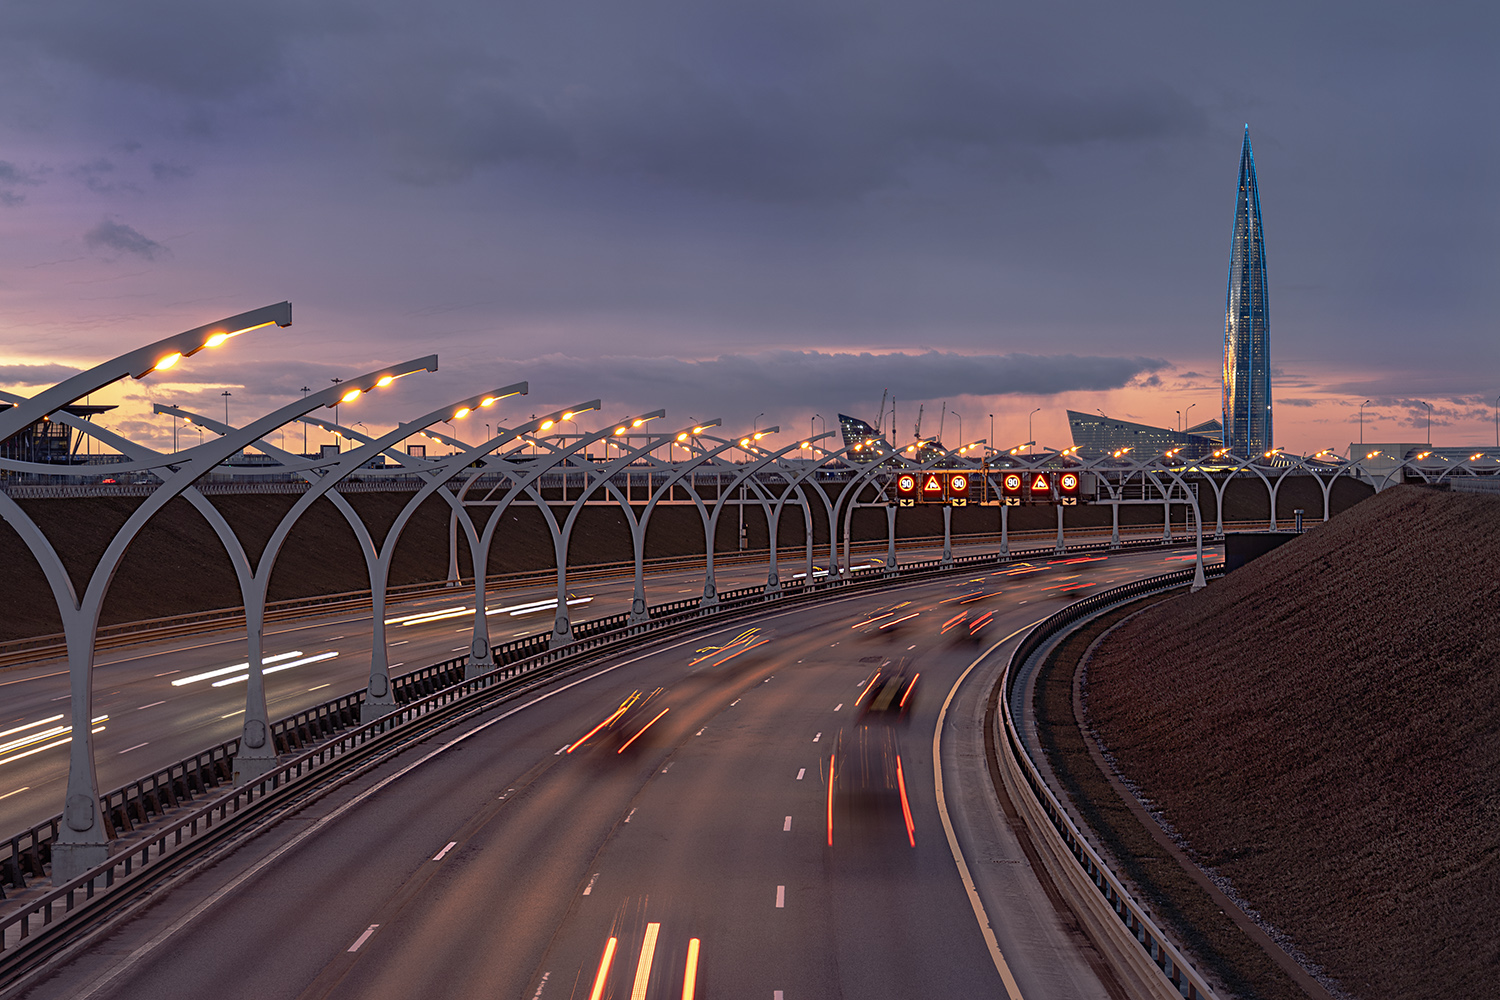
{"x":780,"y":207}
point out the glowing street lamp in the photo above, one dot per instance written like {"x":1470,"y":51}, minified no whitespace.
{"x":158,"y":357}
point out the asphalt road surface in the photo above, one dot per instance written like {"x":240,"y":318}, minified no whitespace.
{"x":151,"y":713}
{"x":529,"y":853}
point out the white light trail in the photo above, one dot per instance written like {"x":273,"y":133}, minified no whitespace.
{"x":280,"y":666}
{"x":179,"y":682}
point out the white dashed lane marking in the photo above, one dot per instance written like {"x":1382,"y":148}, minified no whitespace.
{"x":363,"y":937}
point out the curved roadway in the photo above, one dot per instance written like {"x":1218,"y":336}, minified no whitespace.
{"x":492,"y":862}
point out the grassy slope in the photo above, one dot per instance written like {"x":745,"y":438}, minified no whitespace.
{"x":1323,"y":728}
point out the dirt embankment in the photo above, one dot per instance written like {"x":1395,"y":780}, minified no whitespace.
{"x":1322,"y":728}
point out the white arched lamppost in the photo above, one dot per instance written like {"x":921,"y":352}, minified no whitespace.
{"x":378,"y":699}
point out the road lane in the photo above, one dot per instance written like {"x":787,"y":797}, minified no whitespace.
{"x":159,"y":723}
{"x":554,"y":853}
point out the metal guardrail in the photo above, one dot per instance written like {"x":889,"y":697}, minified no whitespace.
{"x":141,"y":802}
{"x":26,"y":854}
{"x":1058,"y":827}
{"x":23,"y":650}
{"x":169,"y":841}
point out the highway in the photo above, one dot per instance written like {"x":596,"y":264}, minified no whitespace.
{"x":529,"y":853}
{"x":151,"y":712}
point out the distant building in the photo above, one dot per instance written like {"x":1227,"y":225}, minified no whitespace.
{"x":1247,"y":324}
{"x":867,"y":442}
{"x":47,"y":440}
{"x":1096,"y":435}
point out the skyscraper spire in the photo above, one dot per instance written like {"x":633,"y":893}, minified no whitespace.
{"x":1247,"y":324}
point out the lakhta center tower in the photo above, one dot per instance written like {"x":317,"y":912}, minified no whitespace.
{"x":1247,"y":324}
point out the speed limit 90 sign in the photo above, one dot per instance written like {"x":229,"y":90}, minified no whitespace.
{"x":906,"y":489}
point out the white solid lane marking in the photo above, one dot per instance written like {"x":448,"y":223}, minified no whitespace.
{"x":800,"y":772}
{"x":777,"y":995}
{"x":1012,"y":989}
{"x":458,"y":649}
{"x":734,"y":703}
{"x":59,"y":673}
{"x":318,"y":688}
{"x":393,"y":666}
{"x":439,"y":855}
{"x":780,"y":897}
{"x":838,"y":706}
{"x":787,"y":826}
{"x":817,"y":737}
{"x":363,"y":937}
{"x":136,"y":747}
{"x":165,"y":673}
{"x":233,"y":714}
{"x":562,"y":748}
{"x":18,"y":791}
{"x":401,"y":642}
{"x":628,"y":815}
{"x":152,"y":705}
{"x":910,"y":648}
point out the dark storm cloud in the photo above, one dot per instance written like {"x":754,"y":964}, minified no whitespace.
{"x":194,"y":50}
{"x":12,"y":175}
{"x":837,"y":132}
{"x":117,"y":236}
{"x":170,"y":171}
{"x":790,"y":381}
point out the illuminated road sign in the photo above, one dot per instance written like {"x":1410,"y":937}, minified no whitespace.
{"x":906,"y":489}
{"x":1067,"y":488}
{"x":1039,"y":485}
{"x":1010,"y":489}
{"x":958,"y":488}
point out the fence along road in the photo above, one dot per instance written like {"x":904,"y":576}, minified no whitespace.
{"x":504,"y":865}
{"x":153,"y":722}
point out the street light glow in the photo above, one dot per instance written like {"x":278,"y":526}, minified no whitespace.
{"x":350,"y":396}
{"x":461,"y":412}
{"x":546,"y":425}
{"x":167,"y":362}
{"x":384,"y":381}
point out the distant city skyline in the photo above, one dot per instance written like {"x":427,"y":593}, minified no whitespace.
{"x":758,"y":207}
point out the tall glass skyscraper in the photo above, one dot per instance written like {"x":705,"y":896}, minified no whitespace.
{"x":1247,"y":324}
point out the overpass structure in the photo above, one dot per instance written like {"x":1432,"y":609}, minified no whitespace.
{"x":528,"y":464}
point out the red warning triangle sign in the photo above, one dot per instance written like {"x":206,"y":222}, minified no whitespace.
{"x":933,"y":484}
{"x":1040,"y":482}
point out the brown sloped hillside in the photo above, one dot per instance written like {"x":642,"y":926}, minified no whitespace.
{"x":1322,"y":727}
